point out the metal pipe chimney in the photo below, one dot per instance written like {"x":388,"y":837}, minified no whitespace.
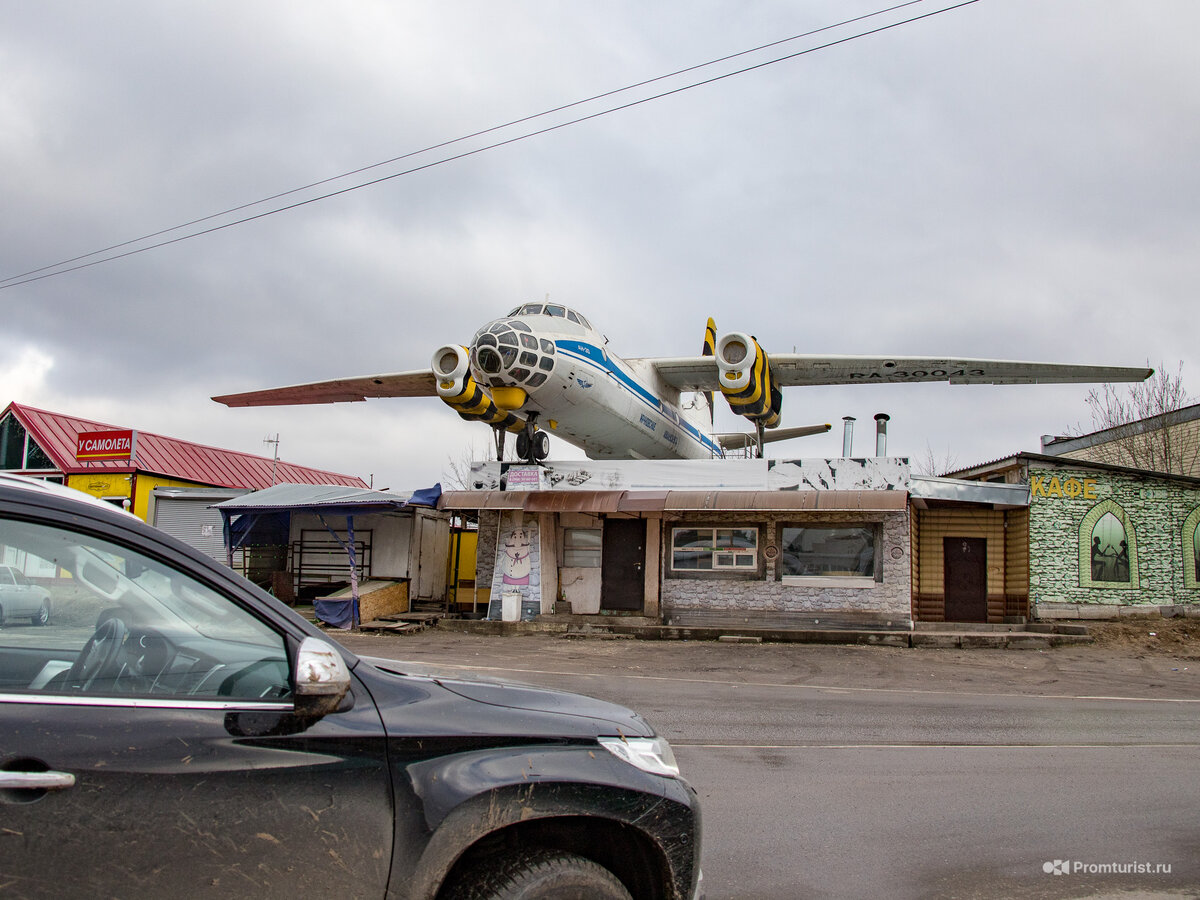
{"x":848,"y":437}
{"x":881,"y":420}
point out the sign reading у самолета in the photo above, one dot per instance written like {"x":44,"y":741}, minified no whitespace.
{"x":105,"y":445}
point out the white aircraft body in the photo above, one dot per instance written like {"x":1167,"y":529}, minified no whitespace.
{"x":544,"y":368}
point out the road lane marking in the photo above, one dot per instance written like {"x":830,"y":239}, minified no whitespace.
{"x":434,"y":668}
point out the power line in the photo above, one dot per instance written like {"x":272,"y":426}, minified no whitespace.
{"x":64,"y":266}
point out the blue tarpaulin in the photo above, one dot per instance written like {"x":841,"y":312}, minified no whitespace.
{"x":339,"y":613}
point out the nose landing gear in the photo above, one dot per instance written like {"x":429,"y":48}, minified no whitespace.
{"x":533,"y":444}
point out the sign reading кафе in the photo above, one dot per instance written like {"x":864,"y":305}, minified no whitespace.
{"x":97,"y":445}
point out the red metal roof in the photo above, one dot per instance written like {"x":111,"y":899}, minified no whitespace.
{"x":57,"y":435}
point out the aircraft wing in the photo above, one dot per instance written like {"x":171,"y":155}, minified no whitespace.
{"x":699,"y":373}
{"x":401,"y":384}
{"x":738,"y":441}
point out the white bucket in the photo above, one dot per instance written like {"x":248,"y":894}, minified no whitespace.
{"x":510,"y":606}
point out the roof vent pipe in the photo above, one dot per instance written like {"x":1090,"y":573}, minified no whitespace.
{"x":881,"y":420}
{"x":848,"y":437}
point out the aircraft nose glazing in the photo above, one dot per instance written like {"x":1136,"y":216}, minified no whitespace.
{"x":508,"y":352}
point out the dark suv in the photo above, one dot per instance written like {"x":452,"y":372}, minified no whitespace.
{"x":175,"y":732}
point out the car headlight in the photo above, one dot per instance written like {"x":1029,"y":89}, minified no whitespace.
{"x":651,"y":755}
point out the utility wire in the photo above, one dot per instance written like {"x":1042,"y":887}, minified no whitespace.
{"x":64,"y":266}
{"x":458,"y":140}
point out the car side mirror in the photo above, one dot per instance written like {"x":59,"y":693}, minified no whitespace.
{"x":322,"y":680}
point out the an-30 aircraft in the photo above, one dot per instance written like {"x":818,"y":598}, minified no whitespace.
{"x":544,"y":368}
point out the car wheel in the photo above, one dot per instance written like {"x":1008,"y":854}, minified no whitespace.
{"x":540,"y":875}
{"x":42,"y":616}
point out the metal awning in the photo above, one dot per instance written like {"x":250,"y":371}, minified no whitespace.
{"x":675,"y":501}
{"x":926,"y":489}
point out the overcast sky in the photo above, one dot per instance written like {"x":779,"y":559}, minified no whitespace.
{"x":1013,"y":179}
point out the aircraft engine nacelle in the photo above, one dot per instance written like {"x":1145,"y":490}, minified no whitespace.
{"x":466,"y":396}
{"x":745,"y":378}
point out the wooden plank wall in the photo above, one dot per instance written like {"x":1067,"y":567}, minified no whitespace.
{"x":1008,"y":559}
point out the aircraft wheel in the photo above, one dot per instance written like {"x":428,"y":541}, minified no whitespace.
{"x":541,"y":445}
{"x":523,"y":445}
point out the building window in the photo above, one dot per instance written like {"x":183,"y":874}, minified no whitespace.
{"x":819,"y":552}
{"x":1191,"y":550}
{"x":581,"y":548}
{"x":1108,"y":552}
{"x":714,"y":549}
{"x":17,"y":450}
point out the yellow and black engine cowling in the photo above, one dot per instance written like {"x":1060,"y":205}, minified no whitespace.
{"x":745,"y":379}
{"x":466,"y":396}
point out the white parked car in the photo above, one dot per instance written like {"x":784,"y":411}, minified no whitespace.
{"x":20,"y":599}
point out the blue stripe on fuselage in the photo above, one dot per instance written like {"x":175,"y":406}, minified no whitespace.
{"x":597,"y":358}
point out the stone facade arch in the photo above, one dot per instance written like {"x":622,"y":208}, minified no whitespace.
{"x":1191,"y":550}
{"x":1099,"y":557}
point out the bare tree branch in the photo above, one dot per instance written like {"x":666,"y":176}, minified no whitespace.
{"x":1146,"y":429}
{"x":928,"y":463}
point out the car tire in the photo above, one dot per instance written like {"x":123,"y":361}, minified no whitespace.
{"x":42,"y":616}
{"x":540,"y":875}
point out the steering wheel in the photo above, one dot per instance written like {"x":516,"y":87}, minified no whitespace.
{"x":98,"y":654}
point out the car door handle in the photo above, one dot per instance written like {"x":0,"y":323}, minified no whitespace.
{"x":36,"y":781}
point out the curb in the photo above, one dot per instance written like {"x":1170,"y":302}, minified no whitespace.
{"x":957,"y":640}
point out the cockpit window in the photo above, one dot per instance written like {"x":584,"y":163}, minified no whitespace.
{"x":584,"y":322}
{"x":508,"y":351}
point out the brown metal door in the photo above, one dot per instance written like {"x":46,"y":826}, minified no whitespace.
{"x":623,"y":558}
{"x":966,"y":579}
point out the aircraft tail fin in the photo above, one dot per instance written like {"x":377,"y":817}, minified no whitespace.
{"x":710,"y":349}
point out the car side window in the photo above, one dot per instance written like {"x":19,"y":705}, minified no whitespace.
{"x":101,"y":618}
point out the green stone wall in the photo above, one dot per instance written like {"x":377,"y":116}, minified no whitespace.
{"x":1076,"y":511}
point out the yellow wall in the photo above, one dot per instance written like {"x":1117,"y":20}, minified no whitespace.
{"x":104,"y":485}
{"x":139,"y":485}
{"x":464,"y":579}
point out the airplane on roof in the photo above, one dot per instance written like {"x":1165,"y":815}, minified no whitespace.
{"x":544,"y":369}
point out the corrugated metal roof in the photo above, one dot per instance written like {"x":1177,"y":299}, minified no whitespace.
{"x":677,"y":501}
{"x":57,"y":435}
{"x":314,"y":497}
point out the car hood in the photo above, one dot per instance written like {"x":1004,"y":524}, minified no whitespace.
{"x":505,"y":707}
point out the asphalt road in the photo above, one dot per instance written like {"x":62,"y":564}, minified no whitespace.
{"x":848,"y":772}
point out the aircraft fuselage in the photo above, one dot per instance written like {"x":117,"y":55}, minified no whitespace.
{"x":578,"y":390}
